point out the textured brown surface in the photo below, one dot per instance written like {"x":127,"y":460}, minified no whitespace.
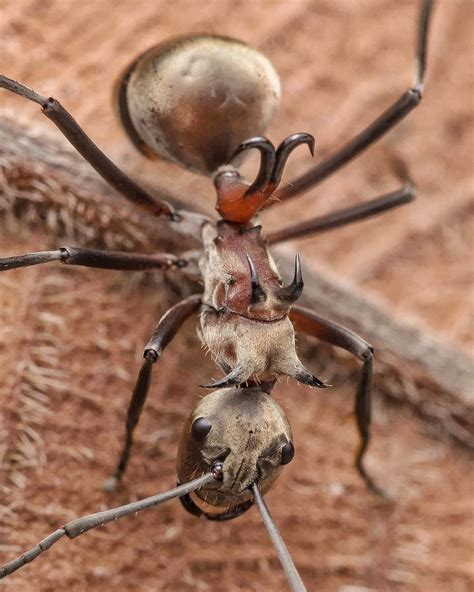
{"x":340,"y":65}
{"x":68,"y":362}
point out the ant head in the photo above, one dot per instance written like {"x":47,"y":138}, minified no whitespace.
{"x":244,"y":433}
{"x":193,"y":99}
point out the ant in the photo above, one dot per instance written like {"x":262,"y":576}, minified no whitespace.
{"x":237,"y":441}
{"x":196,"y":101}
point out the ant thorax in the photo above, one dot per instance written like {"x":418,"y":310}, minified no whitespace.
{"x":227,"y":276}
{"x":244,"y":316}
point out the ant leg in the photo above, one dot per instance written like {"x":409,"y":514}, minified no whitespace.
{"x":165,"y":331}
{"x":309,"y":323}
{"x":94,"y":156}
{"x":389,"y":119}
{"x":319,"y":224}
{"x":93,"y":258}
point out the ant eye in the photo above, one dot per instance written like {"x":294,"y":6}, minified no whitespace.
{"x":287,"y":453}
{"x":200,"y":428}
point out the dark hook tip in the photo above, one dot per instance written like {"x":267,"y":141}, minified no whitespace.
{"x":286,"y":148}
{"x":258,"y":293}
{"x":259,"y":142}
{"x":310,"y":380}
{"x":297,"y":139}
{"x":292,"y":292}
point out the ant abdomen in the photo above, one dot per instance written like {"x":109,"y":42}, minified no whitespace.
{"x":192,"y":100}
{"x":243,"y":433}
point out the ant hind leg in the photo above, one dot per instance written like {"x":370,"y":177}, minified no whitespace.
{"x":69,"y":127}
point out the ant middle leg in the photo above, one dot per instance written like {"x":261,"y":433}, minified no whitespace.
{"x":116,"y":260}
{"x":165,"y":331}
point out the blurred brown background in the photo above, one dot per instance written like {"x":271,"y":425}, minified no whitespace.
{"x":71,"y":340}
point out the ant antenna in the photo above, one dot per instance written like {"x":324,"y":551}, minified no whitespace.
{"x":80,"y":525}
{"x":292,"y":575}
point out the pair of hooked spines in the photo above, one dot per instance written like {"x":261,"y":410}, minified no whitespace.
{"x":290,"y":365}
{"x":273,"y":160}
{"x":287,"y":294}
{"x":238,"y":202}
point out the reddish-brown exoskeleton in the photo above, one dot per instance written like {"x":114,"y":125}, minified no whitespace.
{"x":195,"y":101}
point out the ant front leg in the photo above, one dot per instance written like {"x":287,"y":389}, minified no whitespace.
{"x":93,"y":258}
{"x":309,"y":323}
{"x":165,"y":331}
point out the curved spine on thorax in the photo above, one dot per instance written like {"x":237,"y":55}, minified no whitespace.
{"x":244,"y":317}
{"x":227,"y":280}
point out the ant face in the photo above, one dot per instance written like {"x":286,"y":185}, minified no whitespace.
{"x":245,"y":431}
